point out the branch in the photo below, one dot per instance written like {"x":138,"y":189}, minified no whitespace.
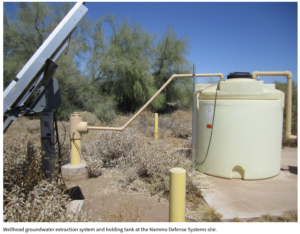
{"x":36,"y":25}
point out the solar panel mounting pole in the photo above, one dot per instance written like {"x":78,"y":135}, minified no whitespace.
{"x":47,"y":144}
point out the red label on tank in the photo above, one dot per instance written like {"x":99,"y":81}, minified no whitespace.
{"x":209,"y":126}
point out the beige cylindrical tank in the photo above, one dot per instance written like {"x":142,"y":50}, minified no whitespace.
{"x":247,"y":128}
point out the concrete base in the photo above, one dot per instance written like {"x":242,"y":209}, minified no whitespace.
{"x":74,"y":172}
{"x":248,"y":199}
{"x":76,"y":206}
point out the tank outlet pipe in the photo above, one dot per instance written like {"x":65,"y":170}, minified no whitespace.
{"x":289,"y":77}
{"x":153,"y":97}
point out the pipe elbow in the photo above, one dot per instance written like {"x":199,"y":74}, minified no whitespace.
{"x":82,"y":127}
{"x":289,"y":136}
{"x":254,"y":74}
{"x":292,"y":137}
{"x":221,"y":76}
{"x":288,"y":74}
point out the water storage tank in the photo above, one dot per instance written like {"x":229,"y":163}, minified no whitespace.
{"x":246,"y":121}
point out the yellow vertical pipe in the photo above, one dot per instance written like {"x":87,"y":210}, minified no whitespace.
{"x":75,"y":138}
{"x":289,"y":77}
{"x":75,"y":151}
{"x":156,"y":127}
{"x":289,"y":108}
{"x":177,"y":195}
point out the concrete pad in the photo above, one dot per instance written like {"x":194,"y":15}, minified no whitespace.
{"x":247,"y":199}
{"x":289,"y":158}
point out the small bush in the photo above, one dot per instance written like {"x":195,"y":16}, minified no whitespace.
{"x":153,"y":162}
{"x":108,"y":148}
{"x":158,"y":158}
{"x":90,"y":118}
{"x":27,"y":197}
{"x":181,"y":124}
{"x":209,"y":214}
{"x":94,"y":165}
{"x":45,"y":203}
{"x":21,"y":155}
{"x":146,"y":123}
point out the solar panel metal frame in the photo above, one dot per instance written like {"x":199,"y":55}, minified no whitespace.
{"x":32,"y":73}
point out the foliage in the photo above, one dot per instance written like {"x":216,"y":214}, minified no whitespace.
{"x":45,"y":203}
{"x":110,"y":146}
{"x":21,"y":155}
{"x":119,"y":65}
{"x":24,"y":35}
{"x":181,"y":124}
{"x":28,"y":197}
{"x":130,"y":151}
{"x":108,"y":66}
{"x":169,"y":59}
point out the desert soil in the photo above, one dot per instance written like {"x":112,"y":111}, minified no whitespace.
{"x":109,"y":195}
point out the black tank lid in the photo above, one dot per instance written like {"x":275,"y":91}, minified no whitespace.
{"x":235,"y":75}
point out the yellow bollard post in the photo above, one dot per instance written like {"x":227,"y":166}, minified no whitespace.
{"x":156,"y":127}
{"x":177,"y":195}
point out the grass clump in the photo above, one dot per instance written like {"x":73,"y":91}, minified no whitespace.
{"x":289,"y":216}
{"x":209,"y":214}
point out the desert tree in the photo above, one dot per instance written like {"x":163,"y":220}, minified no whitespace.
{"x":26,"y":30}
{"x":169,"y":57}
{"x":127,"y":68}
{"x":23,"y":34}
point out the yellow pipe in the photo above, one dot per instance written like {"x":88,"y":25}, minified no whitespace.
{"x":177,"y":195}
{"x":152,"y":98}
{"x":156,"y":127}
{"x":75,"y":152}
{"x":75,"y":137}
{"x":289,"y":77}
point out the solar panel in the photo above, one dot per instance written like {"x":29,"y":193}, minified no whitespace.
{"x":33,"y":74}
